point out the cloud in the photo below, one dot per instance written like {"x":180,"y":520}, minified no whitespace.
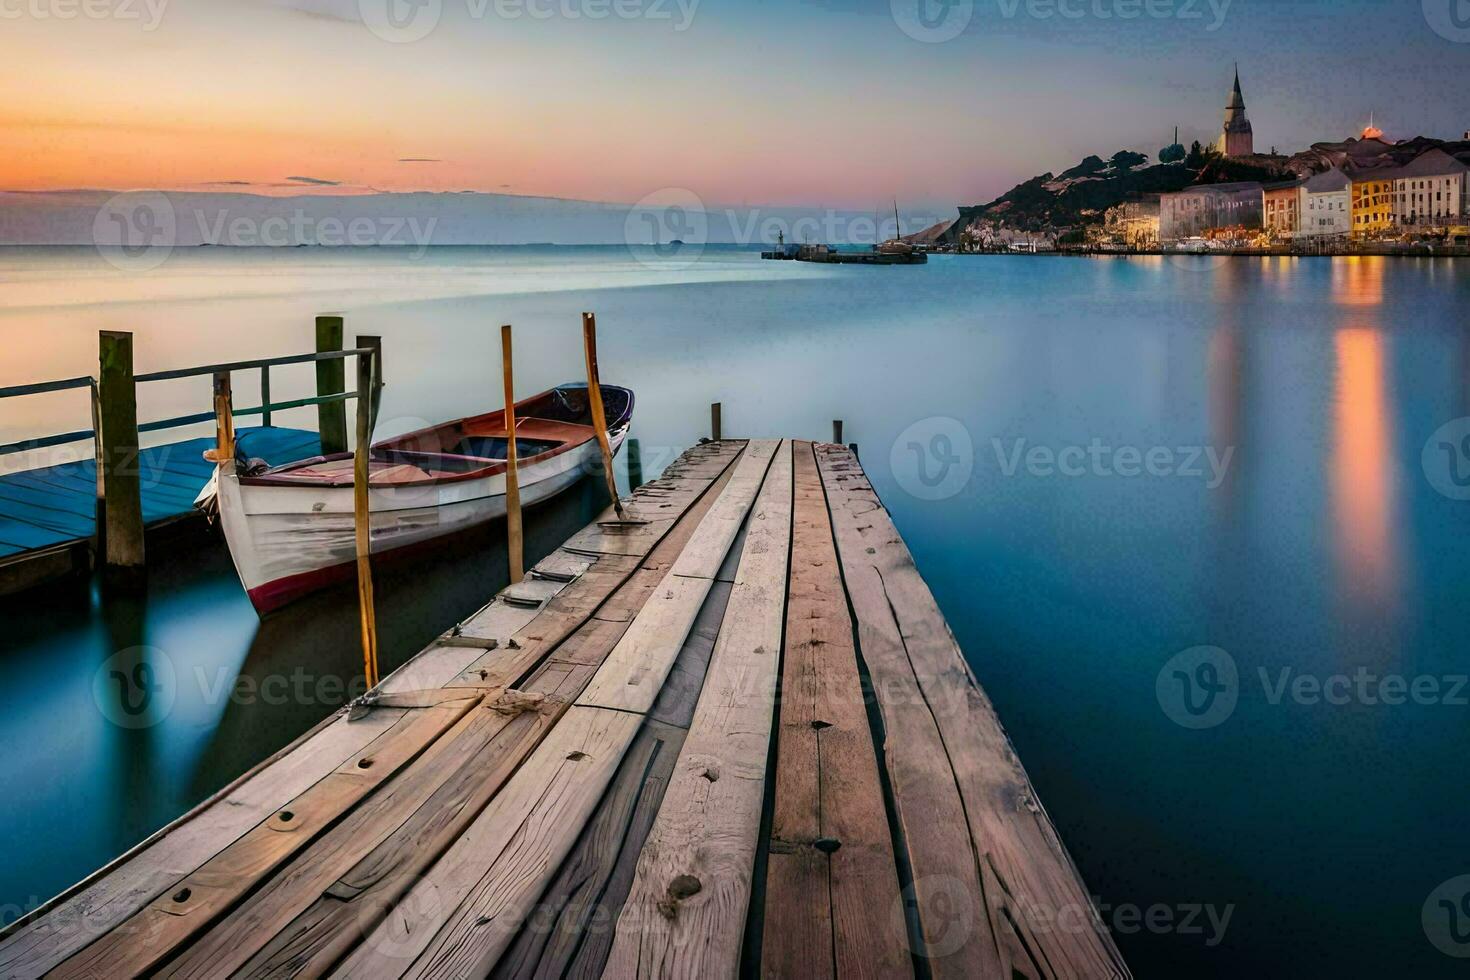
{"x":230,"y":183}
{"x":419,"y":160}
{"x":340,"y":10}
{"x":315,"y":181}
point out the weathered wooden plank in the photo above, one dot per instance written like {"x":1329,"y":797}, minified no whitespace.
{"x":120,"y":890}
{"x":464,"y":767}
{"x":634,"y":673}
{"x":952,"y":767}
{"x":521,"y":835}
{"x":490,"y":909}
{"x":832,"y":900}
{"x":569,"y":931}
{"x":106,"y":899}
{"x":188,"y":904}
{"x":316,"y":910}
{"x":685,"y":915}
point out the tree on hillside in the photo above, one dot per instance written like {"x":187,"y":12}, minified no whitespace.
{"x":1200,"y":156}
{"x":1172,"y":153}
{"x":1127,"y":160}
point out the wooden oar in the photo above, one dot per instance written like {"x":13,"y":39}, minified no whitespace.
{"x":362,"y":518}
{"x":512,"y":478}
{"x":594,"y":400}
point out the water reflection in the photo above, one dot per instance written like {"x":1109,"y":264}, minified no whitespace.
{"x":1362,"y":481}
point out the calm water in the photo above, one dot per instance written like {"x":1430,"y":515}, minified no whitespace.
{"x":1100,"y":465}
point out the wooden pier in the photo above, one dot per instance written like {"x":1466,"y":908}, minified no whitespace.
{"x":725,"y":733}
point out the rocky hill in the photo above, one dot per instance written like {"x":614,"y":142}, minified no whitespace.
{"x":1057,"y":203}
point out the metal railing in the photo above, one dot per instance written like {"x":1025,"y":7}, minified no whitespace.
{"x":264,"y":410}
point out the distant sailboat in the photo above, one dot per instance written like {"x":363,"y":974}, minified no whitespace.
{"x":897,"y":246}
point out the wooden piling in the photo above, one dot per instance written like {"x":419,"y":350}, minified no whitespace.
{"x":224,"y":419}
{"x":837,"y":432}
{"x":635,"y":465}
{"x":331,"y":379}
{"x":512,"y":478}
{"x":362,"y":515}
{"x":376,"y":345}
{"x":117,"y":454}
{"x":594,"y":400}
{"x":714,"y":421}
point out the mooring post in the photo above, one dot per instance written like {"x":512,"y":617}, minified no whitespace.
{"x":512,"y":475}
{"x":635,"y":465}
{"x":594,"y":402}
{"x":376,"y":345}
{"x":117,"y":457}
{"x":362,"y":519}
{"x":224,"y":421}
{"x":714,"y":421}
{"x":837,"y":432}
{"x":331,"y":379}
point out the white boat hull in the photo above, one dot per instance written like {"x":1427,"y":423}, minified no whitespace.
{"x":287,"y":541}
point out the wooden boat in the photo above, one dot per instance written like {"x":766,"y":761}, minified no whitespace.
{"x":290,"y":528}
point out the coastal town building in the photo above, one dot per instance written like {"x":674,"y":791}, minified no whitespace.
{"x":1236,"y":139}
{"x":1134,"y":223}
{"x":1192,"y":212}
{"x":1372,"y":201}
{"x":1430,"y":191}
{"x":1281,"y":203}
{"x":1326,"y":207}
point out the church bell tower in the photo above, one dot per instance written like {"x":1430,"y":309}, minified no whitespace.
{"x":1236,"y":140}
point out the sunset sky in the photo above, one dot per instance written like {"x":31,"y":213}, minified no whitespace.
{"x":818,"y":103}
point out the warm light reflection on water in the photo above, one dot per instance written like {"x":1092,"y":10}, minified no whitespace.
{"x":1362,"y":483}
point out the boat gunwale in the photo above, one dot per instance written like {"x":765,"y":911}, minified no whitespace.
{"x":282,"y":475}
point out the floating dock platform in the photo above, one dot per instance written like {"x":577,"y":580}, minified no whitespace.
{"x":50,"y":513}
{"x":728,"y":733}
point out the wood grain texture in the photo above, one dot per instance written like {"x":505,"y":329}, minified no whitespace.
{"x":635,"y":672}
{"x":102,"y":902}
{"x":569,"y":930}
{"x":685,"y":914}
{"x":320,"y":907}
{"x":833,"y":907}
{"x":952,"y":768}
{"x":188,"y":905}
{"x":457,"y":917}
